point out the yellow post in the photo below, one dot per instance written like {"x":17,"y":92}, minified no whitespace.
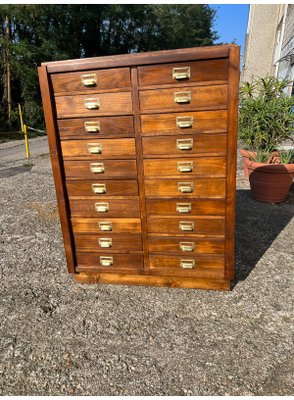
{"x":26,"y":141}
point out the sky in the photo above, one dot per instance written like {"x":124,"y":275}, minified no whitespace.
{"x":231,"y":23}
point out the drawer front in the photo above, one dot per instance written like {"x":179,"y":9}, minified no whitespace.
{"x":98,"y":148}
{"x":179,"y":206}
{"x":184,"y":188}
{"x":108,"y":242}
{"x":184,"y":98}
{"x":106,"y":225}
{"x":184,"y":123}
{"x":100,"y":169}
{"x":103,"y":126}
{"x":109,"y":263}
{"x":93,"y":104}
{"x":210,"y":226}
{"x":197,"y":266}
{"x":100,"y":189}
{"x":109,"y":207}
{"x":184,"y":245}
{"x":91,"y":80}
{"x":185,"y":144}
{"x":185,"y":167}
{"x":181,"y":73}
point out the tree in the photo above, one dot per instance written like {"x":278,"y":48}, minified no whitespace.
{"x":55,"y":32}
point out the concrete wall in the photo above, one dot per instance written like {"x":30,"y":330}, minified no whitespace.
{"x":261,"y":40}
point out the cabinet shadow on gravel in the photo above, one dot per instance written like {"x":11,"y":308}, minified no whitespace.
{"x":257,"y":226}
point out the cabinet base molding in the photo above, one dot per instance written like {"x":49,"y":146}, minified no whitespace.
{"x":147,"y":280}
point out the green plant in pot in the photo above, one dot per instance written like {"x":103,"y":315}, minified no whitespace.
{"x":266,"y":120}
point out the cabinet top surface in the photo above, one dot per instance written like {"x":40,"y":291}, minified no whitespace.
{"x":153,"y":57}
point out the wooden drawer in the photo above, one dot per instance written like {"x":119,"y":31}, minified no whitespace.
{"x":182,"y":207}
{"x":109,"y":263}
{"x":94,"y":104}
{"x":184,"y":245}
{"x":175,"y":73}
{"x":208,"y":266}
{"x":98,"y":148}
{"x":199,"y":188}
{"x":107,"y":207}
{"x":184,"y":123}
{"x":91,"y":80}
{"x":185,"y":145}
{"x":100,"y":169}
{"x":89,"y":127}
{"x":185,"y":167}
{"x":185,"y":98}
{"x":100,"y":189}
{"x":108,"y":242}
{"x":207,"y":226}
{"x":106,"y":225}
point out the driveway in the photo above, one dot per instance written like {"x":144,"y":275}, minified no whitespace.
{"x":58,"y":337}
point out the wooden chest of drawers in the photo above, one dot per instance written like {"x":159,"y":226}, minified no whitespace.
{"x":143,"y":150}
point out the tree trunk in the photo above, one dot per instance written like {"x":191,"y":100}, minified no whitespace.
{"x":8,"y":77}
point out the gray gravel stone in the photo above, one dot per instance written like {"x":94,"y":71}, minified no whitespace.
{"x":58,"y":337}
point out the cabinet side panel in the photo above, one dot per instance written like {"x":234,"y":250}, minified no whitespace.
{"x":57,"y":168}
{"x":233,"y":90}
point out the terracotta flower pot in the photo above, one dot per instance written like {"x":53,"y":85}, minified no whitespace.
{"x":246,"y":154}
{"x":269,"y":183}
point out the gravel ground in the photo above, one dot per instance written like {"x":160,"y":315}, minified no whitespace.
{"x":58,"y":337}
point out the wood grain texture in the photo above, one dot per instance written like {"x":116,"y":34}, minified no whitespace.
{"x":204,"y":225}
{"x":145,"y":280}
{"x":119,"y":243}
{"x":202,"y":187}
{"x":154,"y":57}
{"x":209,"y":143}
{"x":202,"y":98}
{"x":234,"y":75}
{"x":121,"y":262}
{"x":168,"y":207}
{"x":206,"y":70}
{"x":112,"y":188}
{"x":57,"y":168}
{"x":212,"y":166}
{"x":110,"y":148}
{"x":161,"y":244}
{"x":109,"y":104}
{"x":106,"y":79}
{"x":116,"y":208}
{"x":117,"y":169}
{"x":166,"y":124}
{"x":119,"y":225}
{"x":109,"y":126}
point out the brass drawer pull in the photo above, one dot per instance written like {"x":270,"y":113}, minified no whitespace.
{"x":185,"y":144}
{"x":186,"y":226}
{"x":184,"y":208}
{"x":187,"y":264}
{"x":182,"y":97}
{"x":92,"y":104}
{"x":94,"y":148}
{"x":92,"y":127}
{"x":97,"y":168}
{"x":105,"y":243}
{"x":106,"y":261}
{"x":105,"y":226}
{"x":181,"y":73}
{"x":184,"y":122}
{"x":185,"y":187}
{"x":187,"y":246}
{"x":185,"y":166}
{"x":89,"y":80}
{"x":102,"y":207}
{"x":99,"y":188}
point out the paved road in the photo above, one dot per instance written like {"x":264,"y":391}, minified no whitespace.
{"x":15,"y":150}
